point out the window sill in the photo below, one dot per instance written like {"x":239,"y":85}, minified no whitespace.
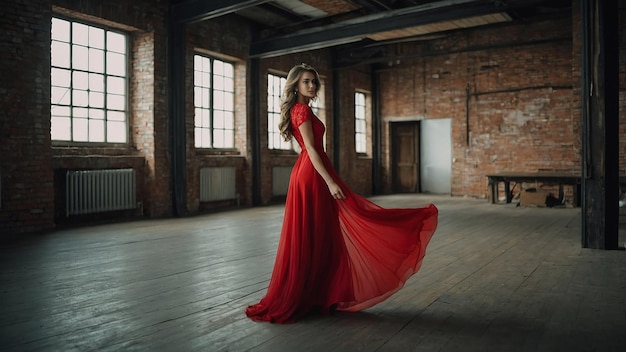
{"x":283,"y":152}
{"x":218,"y":152}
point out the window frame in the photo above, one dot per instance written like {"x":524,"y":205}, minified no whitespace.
{"x":211,"y":109}
{"x":106,"y":91}
{"x":273,"y":117}
{"x":360,"y":137}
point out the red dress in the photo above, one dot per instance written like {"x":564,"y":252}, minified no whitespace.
{"x":338,"y":254}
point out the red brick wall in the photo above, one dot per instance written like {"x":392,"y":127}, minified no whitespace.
{"x":26,"y":177}
{"x":520,"y":85}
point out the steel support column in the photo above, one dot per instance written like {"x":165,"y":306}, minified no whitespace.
{"x":600,"y":139}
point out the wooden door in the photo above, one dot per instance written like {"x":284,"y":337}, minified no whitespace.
{"x":405,"y":156}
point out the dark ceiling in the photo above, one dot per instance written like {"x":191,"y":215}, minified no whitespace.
{"x":289,"y":26}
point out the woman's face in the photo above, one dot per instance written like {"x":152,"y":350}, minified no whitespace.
{"x":307,"y":85}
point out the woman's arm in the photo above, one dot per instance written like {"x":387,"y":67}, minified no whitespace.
{"x":306,"y":129}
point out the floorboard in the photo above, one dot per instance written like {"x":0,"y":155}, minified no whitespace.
{"x":495,"y":277}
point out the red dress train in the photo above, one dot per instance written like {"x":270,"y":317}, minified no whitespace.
{"x":338,"y":254}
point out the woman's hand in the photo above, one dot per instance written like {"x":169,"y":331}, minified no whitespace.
{"x":336,"y":191}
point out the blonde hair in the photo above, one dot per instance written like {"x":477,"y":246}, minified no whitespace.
{"x":290,"y":97}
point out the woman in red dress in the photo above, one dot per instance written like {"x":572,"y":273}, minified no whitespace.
{"x":337,"y":250}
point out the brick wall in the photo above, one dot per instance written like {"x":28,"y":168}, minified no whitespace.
{"x":26,"y":177}
{"x":520,"y":89}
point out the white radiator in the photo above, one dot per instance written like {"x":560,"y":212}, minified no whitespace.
{"x":280,"y":180}
{"x":94,"y":191}
{"x":218,"y":183}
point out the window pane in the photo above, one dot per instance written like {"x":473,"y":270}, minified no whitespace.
{"x":96,"y":37}
{"x":197,"y":78}
{"x":360,"y":146}
{"x":229,"y":101}
{"x":60,"y":78}
{"x":116,"y":85}
{"x":60,"y":30}
{"x":229,"y":139}
{"x":80,"y":57}
{"x":277,"y":140}
{"x":116,"y":64}
{"x":218,"y":82}
{"x":218,"y":68}
{"x":116,"y":132}
{"x":197,"y":117}
{"x":62,"y":111}
{"x":60,"y":95}
{"x":80,"y":98}
{"x":218,"y":139}
{"x":79,"y":129}
{"x":360,"y":99}
{"x":60,"y":54}
{"x":360,"y":126}
{"x":206,"y":65}
{"x":218,"y":102}
{"x":229,"y":84}
{"x":206,"y":80}
{"x":206,"y":118}
{"x":80,"y":34}
{"x":116,"y":102}
{"x":96,"y":130}
{"x":116,"y":116}
{"x":197,"y":96}
{"x":80,"y":112}
{"x":229,"y":70}
{"x":218,"y":119}
{"x":206,"y":138}
{"x":96,"y":99}
{"x":96,"y":60}
{"x":96,"y":114}
{"x":60,"y":128}
{"x":229,"y":120}
{"x":116,"y":42}
{"x":80,"y":80}
{"x":96,"y":82}
{"x":197,"y":62}
{"x":206,"y":98}
{"x":197,"y":132}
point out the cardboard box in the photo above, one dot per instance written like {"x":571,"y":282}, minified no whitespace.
{"x":533,"y":197}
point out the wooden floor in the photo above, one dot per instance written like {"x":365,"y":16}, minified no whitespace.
{"x":495,"y":278}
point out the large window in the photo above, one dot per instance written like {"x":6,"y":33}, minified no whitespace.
{"x":89,"y":83}
{"x":275,"y":86}
{"x":214,"y":100}
{"x":360,"y":126}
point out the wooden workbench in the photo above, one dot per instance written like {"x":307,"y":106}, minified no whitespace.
{"x":546,"y":178}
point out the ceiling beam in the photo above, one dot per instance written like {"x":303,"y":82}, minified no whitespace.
{"x":356,"y":29}
{"x":199,"y":10}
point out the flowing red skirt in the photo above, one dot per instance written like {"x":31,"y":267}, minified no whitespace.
{"x":340,"y":254}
